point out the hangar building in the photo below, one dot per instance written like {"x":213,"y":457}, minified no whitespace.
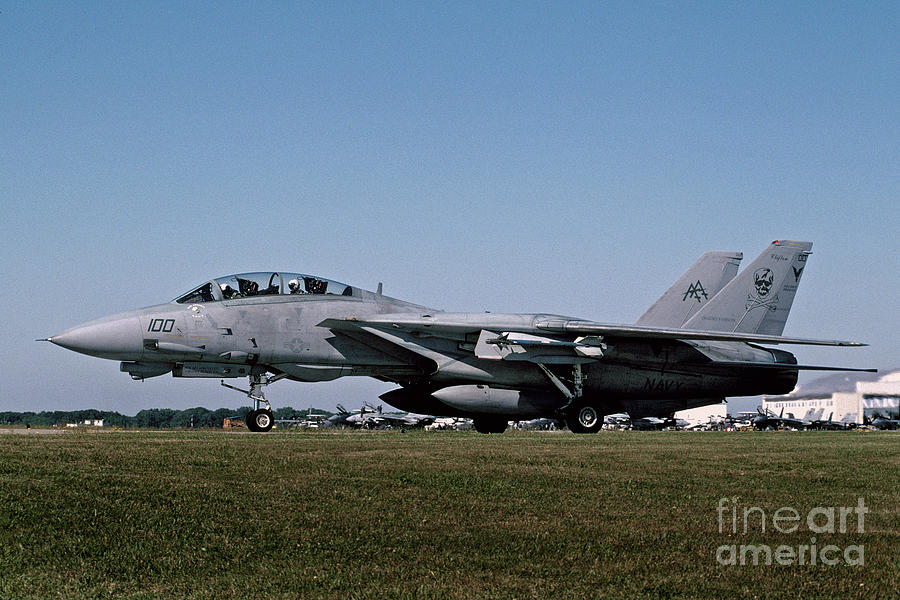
{"x":852,"y":397}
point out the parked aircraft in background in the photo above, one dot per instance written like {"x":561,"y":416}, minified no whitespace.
{"x":658,"y":424}
{"x":369,"y":417}
{"x":699,"y":343}
{"x":304,"y":421}
{"x":743,"y":421}
{"x":450,"y":423}
{"x":886,"y":423}
{"x":767,"y":420}
{"x":542,"y":424}
{"x":337,"y":420}
{"x":712,"y":424}
{"x":617,"y":421}
{"x":829,"y":425}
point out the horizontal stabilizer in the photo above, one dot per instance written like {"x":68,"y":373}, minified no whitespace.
{"x":632,"y":331}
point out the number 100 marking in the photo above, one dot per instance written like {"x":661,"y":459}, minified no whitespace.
{"x":163,"y":325}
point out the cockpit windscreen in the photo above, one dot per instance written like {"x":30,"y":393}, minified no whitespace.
{"x":246,"y":285}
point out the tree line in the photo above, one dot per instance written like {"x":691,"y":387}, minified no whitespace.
{"x":152,"y":418}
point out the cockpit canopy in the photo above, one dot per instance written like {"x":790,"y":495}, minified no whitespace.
{"x":245,"y":285}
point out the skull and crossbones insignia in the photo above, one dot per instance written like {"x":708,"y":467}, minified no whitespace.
{"x":763,"y":281}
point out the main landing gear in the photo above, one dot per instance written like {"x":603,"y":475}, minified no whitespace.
{"x":488,"y":424}
{"x":260,"y":419}
{"x":582,"y":415}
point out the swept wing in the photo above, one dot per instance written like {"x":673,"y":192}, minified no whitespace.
{"x":455,"y":324}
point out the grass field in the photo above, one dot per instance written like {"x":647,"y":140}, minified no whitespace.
{"x":437,"y":515}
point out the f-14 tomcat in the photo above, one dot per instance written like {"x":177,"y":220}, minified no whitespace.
{"x":699,"y":343}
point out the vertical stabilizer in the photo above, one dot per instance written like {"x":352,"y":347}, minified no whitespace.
{"x":759,"y":299}
{"x":693,"y":289}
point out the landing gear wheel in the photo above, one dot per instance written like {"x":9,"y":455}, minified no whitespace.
{"x":250,"y":421}
{"x":260,"y":420}
{"x":490,"y":424}
{"x":584,"y":418}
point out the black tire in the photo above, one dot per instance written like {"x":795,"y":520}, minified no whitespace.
{"x":262,"y":420}
{"x":490,"y":424}
{"x":250,"y":421}
{"x":584,"y":418}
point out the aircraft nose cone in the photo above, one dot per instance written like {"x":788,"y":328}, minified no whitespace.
{"x":117,"y":338}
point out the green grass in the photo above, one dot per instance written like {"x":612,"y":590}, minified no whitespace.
{"x":433,"y":515}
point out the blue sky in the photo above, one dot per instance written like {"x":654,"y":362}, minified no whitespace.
{"x":563,"y":157}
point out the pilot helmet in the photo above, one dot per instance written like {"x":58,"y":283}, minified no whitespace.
{"x":293,"y":284}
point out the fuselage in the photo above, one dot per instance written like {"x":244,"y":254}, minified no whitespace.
{"x":205,"y":334}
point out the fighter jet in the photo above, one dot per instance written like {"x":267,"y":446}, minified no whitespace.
{"x":658,"y":423}
{"x":338,"y":420}
{"x":369,"y":417}
{"x":769,"y":421}
{"x":884,"y":423}
{"x":829,"y":424}
{"x":699,"y":343}
{"x":541,"y":424}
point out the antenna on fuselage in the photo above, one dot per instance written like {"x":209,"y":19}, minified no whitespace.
{"x":379,"y":288}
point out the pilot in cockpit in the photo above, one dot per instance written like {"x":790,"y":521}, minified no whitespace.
{"x":315,"y":286}
{"x":227,"y":291}
{"x":294,"y":286}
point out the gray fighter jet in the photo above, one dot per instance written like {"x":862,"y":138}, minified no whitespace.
{"x":769,"y":421}
{"x":699,"y":343}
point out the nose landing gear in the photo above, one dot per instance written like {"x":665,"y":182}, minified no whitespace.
{"x":260,"y":419}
